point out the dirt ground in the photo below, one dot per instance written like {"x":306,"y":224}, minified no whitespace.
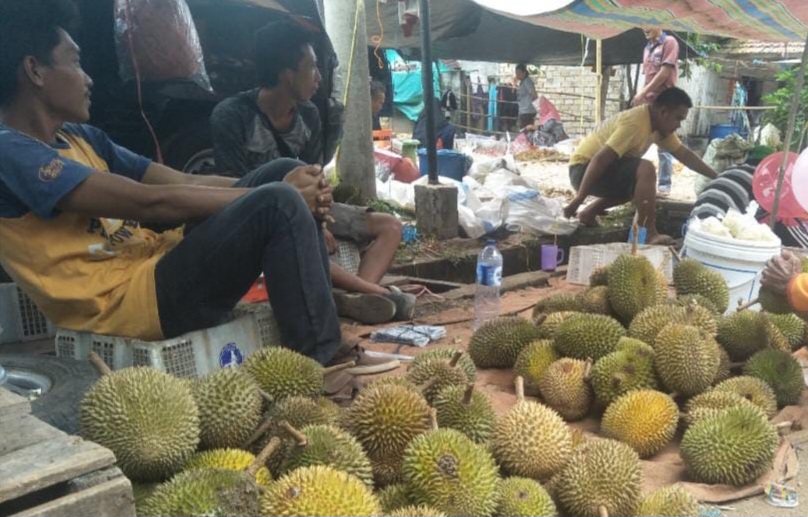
{"x":667,"y":466}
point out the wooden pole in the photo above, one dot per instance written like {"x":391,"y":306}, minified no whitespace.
{"x":792,"y":121}
{"x":599,"y":91}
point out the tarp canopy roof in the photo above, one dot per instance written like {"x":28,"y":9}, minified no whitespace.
{"x":763,"y":20}
{"x":463,"y":29}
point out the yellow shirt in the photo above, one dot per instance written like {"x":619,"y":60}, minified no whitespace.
{"x":84,"y":274}
{"x":629,"y":134}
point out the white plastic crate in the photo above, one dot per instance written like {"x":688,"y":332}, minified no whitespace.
{"x":586,"y":259}
{"x":191,"y":355}
{"x":20,"y":318}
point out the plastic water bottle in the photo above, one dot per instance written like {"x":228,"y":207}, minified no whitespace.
{"x":489,"y":279}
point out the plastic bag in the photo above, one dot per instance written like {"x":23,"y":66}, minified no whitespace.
{"x":528,"y":211}
{"x":721,"y":154}
{"x":156,"y":40}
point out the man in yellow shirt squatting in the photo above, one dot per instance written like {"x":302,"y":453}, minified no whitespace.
{"x":608,"y":163}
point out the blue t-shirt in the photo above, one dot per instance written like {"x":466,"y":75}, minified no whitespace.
{"x":34,"y":177}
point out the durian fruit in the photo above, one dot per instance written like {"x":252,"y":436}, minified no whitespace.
{"x":297,"y":412}
{"x":632,"y":286}
{"x":436,"y":375}
{"x":523,"y":497}
{"x":147,"y":418}
{"x":755,"y":390}
{"x":703,"y":301}
{"x":204,"y":492}
{"x":497,"y":343}
{"x":393,"y":497}
{"x":600,"y":276}
{"x":385,"y":419}
{"x":630,"y":368}
{"x":445,"y":353}
{"x":229,"y":406}
{"x":692,"y":277}
{"x":662,"y":287}
{"x":602,"y":475}
{"x":318,"y":490}
{"x":533,"y":361}
{"x":398,"y":380}
{"x":710,"y":403}
{"x":596,"y":300}
{"x":282,"y":373}
{"x":588,"y":336}
{"x":531,"y":440}
{"x":648,"y":323}
{"x":565,"y":387}
{"x":669,"y":501}
{"x":686,"y":359}
{"x":465,"y":410}
{"x":548,"y":323}
{"x":445,"y":470}
{"x":229,"y":459}
{"x":792,"y":327}
{"x":743,"y":333}
{"x":646,"y":420}
{"x":417,"y":511}
{"x":724,"y":366}
{"x":781,"y":371}
{"x":141,"y":492}
{"x":557,"y":303}
{"x":630,"y":344}
{"x":332,"y":447}
{"x":733,"y":447}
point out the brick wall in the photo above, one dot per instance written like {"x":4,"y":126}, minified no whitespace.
{"x":573,"y":90}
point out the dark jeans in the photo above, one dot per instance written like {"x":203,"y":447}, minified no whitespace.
{"x":270,"y":229}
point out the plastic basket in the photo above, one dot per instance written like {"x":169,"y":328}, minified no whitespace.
{"x":20,"y":318}
{"x":347,"y":256}
{"x":586,"y":259}
{"x":191,"y":355}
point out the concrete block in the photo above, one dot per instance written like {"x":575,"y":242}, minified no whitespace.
{"x":436,"y":210}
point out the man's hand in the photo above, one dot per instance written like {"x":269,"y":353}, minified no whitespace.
{"x":638,"y":99}
{"x":571,"y":208}
{"x":313,"y":186}
{"x":330,"y":242}
{"x":779,"y":271}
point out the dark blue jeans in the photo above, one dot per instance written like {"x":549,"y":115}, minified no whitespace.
{"x":270,"y":229}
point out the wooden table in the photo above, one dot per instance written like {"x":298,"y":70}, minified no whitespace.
{"x":45,"y":472}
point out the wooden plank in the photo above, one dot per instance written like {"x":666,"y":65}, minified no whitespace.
{"x":47,"y":463}
{"x":12,"y":405}
{"x":18,"y":433}
{"x":109,"y":499}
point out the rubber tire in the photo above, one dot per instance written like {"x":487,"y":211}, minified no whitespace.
{"x":187,"y":142}
{"x":70,"y":379}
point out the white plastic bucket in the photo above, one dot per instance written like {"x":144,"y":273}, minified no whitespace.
{"x":739,"y":262}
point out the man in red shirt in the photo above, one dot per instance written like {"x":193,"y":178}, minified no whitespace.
{"x":661,"y":70}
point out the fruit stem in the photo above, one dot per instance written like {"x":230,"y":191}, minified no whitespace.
{"x":263,"y":456}
{"x":99,"y":364}
{"x":299,"y":437}
{"x":744,"y":306}
{"x":263,"y":428}
{"x":520,"y":388}
{"x":468,"y":393}
{"x":602,"y":511}
{"x":455,"y":358}
{"x":266,"y":396}
{"x":339,"y":367}
{"x":635,"y":238}
{"x":588,"y":369}
{"x":433,"y":418}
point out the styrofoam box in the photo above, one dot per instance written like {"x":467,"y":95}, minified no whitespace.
{"x":20,"y":318}
{"x":191,"y":355}
{"x":586,"y":259}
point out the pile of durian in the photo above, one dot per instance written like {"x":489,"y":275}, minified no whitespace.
{"x":260,"y":439}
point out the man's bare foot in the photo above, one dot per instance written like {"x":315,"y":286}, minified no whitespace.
{"x":660,"y":239}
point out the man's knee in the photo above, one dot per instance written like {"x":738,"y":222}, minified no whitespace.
{"x":275,"y":170}
{"x":387,"y":224}
{"x":646,"y":169}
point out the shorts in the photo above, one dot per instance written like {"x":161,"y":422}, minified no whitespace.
{"x":351,"y":224}
{"x":617,"y":182}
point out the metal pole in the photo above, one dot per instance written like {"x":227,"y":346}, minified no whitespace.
{"x":792,"y":121}
{"x":599,"y":92}
{"x":429,"y":92}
